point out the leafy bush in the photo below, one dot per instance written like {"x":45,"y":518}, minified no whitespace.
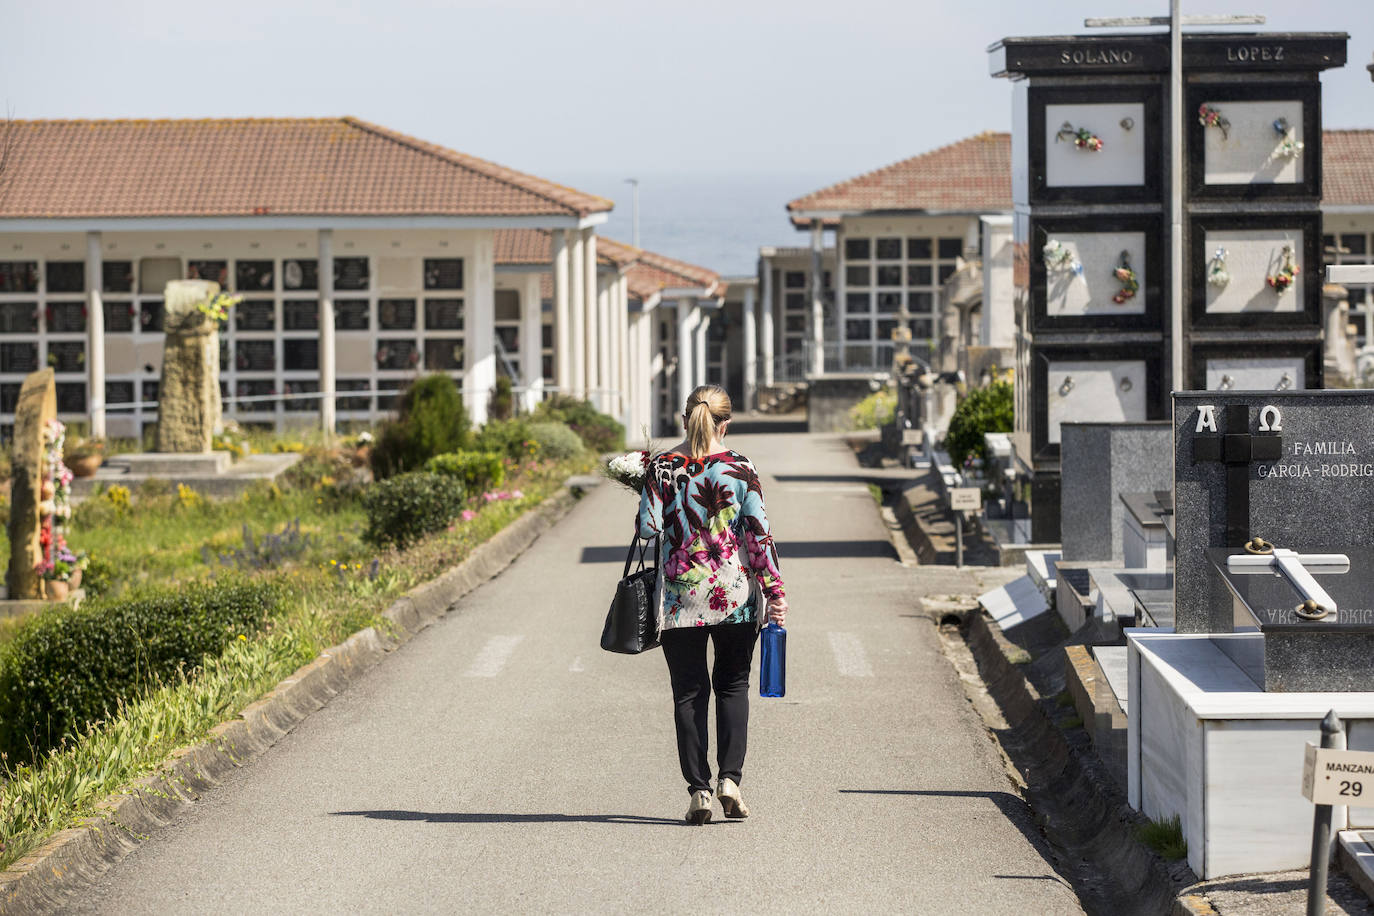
{"x":507,"y":437}
{"x":556,"y":440}
{"x":985,"y":410}
{"x":502,"y":403}
{"x":71,"y":667}
{"x":874,"y":411}
{"x":403,"y":509}
{"x":431,"y":421}
{"x":598,"y":431}
{"x":477,"y":471}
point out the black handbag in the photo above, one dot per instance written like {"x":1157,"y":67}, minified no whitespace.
{"x":632,"y":622}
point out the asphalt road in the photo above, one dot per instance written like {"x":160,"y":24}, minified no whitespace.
{"x":501,"y":762}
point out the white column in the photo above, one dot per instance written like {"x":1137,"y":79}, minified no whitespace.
{"x":751,"y":364}
{"x":608,"y":343}
{"x":841,"y":290}
{"x":633,"y":357}
{"x":766,"y":336}
{"x":685,"y":361}
{"x":649,"y":379}
{"x":699,"y":348}
{"x":479,"y":373}
{"x":562,"y":341}
{"x":328,"y":416}
{"x":817,"y":307}
{"x":531,"y":336}
{"x":622,"y":322}
{"x":95,"y":337}
{"x":577,"y":316}
{"x":595,"y":332}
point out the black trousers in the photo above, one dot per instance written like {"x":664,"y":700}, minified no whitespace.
{"x":685,"y":650}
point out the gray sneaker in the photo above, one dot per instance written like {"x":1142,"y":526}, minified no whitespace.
{"x":699,"y":811}
{"x":730,"y":801}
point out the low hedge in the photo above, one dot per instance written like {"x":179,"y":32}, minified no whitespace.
{"x":477,"y":471}
{"x":402,"y":509}
{"x":556,"y":440}
{"x":68,"y":668}
{"x":600,"y":432}
{"x":507,"y":437}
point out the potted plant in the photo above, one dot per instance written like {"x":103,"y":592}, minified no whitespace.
{"x":62,"y":574}
{"x":84,"y":456}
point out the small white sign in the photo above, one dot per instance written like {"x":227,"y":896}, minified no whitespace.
{"x":913,"y":437}
{"x":1332,"y":777}
{"x":965,"y":499}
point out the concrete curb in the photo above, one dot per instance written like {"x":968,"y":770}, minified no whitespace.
{"x":76,"y":857}
{"x":1081,"y":813}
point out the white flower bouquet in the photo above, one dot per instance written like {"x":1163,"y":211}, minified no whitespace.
{"x":628,"y":470}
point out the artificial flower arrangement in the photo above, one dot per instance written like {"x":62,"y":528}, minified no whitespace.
{"x":1282,"y":280}
{"x":1290,"y":147}
{"x":1212,"y":117}
{"x":217,"y":309}
{"x":1081,"y":137}
{"x":1216,"y":270}
{"x":57,"y":563}
{"x":1130,"y":283}
{"x":1058,"y":257}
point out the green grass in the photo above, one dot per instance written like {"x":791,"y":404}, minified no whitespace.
{"x":1164,"y":837}
{"x":876,"y":492}
{"x":335,"y":589}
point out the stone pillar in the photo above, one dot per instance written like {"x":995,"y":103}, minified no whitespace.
{"x":841,"y":290}
{"x":632,"y":358}
{"x":328,"y":417}
{"x":95,"y":336}
{"x":649,"y":380}
{"x":766,"y":335}
{"x":37,"y":405}
{"x":817,"y":305}
{"x":622,"y":321}
{"x":685,"y":362}
{"x":577,"y":316}
{"x":562,"y":340}
{"x":751,"y":363}
{"x":700,"y":347}
{"x":479,"y":352}
{"x":608,"y":346}
{"x":596,"y":331}
{"x":188,"y":410}
{"x":531,"y":342}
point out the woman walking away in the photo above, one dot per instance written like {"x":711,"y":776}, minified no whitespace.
{"x":718,"y":580}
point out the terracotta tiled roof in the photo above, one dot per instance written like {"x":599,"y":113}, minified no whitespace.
{"x":1348,"y":167}
{"x":971,"y":176}
{"x":646,"y":272}
{"x":260,"y":166}
{"x":974,"y":175}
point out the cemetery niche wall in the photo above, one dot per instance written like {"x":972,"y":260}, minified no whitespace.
{"x":1095,"y":316}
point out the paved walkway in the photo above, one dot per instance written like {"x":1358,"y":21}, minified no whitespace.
{"x":500,"y":762}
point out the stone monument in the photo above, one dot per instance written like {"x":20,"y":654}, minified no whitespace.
{"x":1274,"y":567}
{"x":37,"y":406}
{"x":189,"y":406}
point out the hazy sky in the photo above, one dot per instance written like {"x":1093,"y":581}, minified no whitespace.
{"x":567,"y":90}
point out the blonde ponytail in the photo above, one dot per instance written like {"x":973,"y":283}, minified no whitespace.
{"x":708,"y":406}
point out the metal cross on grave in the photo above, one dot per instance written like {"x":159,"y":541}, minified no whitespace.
{"x":1237,"y":449}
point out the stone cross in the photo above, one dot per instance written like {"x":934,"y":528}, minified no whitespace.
{"x":1298,"y":569}
{"x":1237,"y":449}
{"x":37,"y":405}
{"x":189,"y":407}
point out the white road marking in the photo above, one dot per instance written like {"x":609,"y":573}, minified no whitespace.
{"x":850,"y":658}
{"x":577,"y":664}
{"x":493,"y":656}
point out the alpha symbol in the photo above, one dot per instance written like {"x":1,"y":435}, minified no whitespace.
{"x":1206,"y":419}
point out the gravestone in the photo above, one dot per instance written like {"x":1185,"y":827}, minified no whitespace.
{"x":37,"y":405}
{"x":1101,"y":462}
{"x":1295,"y":469}
{"x":188,"y":394}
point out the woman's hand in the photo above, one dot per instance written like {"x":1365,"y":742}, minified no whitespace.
{"x":777,"y":610}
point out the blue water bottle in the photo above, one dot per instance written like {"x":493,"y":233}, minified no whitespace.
{"x":773,"y":664}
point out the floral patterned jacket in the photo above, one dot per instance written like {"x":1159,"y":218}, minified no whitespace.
{"x":717,"y":563}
